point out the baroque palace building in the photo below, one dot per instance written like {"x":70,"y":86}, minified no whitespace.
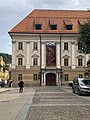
{"x":45,"y":50}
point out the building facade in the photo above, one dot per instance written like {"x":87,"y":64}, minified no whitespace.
{"x":45,"y":50}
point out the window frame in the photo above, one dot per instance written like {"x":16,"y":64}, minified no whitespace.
{"x":66,"y":77}
{"x":65,"y":45}
{"x":66,"y":62}
{"x":19,"y":77}
{"x":53,"y":27}
{"x":69,"y":27}
{"x":38,"y":26}
{"x":35,"y":45}
{"x":79,"y":46}
{"x":20,"y":61}
{"x":35,"y":77}
{"x":35,"y":61}
{"x":80,"y":62}
{"x":20,"y":45}
{"x":80,"y":75}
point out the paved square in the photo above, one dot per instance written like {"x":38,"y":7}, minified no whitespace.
{"x":54,"y":103}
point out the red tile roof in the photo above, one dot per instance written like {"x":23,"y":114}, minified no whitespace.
{"x":49,"y":17}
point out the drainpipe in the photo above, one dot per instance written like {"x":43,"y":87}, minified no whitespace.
{"x":40,"y":60}
{"x":60,"y":60}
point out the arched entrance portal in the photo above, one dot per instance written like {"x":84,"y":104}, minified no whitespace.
{"x":51,"y":79}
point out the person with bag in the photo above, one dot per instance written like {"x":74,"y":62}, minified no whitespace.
{"x":21,"y":85}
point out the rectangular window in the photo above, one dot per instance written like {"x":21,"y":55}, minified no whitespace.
{"x":66,"y":62}
{"x":19,"y":77}
{"x":35,"y":61}
{"x":20,"y":61}
{"x":20,"y":45}
{"x":66,"y":77}
{"x":38,"y":26}
{"x":66,"y":46}
{"x":79,"y":62}
{"x":53,"y":27}
{"x":80,"y":76}
{"x":35,"y":46}
{"x":79,"y":46}
{"x":35,"y":77}
{"x":69,"y":27}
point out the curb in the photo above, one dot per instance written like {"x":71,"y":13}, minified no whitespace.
{"x":1,"y":91}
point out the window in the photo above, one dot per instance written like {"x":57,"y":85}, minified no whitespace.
{"x":79,"y":62}
{"x":19,"y":77}
{"x":35,"y":45}
{"x":20,"y":61}
{"x":20,"y":45}
{"x":38,"y":26}
{"x":80,"y":76}
{"x":66,"y":46}
{"x":53,"y":27}
{"x":66,"y":77}
{"x":66,"y":62}
{"x":35,"y":77}
{"x":69,"y":27}
{"x":35,"y":61}
{"x":79,"y":46}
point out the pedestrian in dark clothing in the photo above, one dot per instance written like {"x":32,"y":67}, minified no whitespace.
{"x":3,"y":84}
{"x":21,"y":85}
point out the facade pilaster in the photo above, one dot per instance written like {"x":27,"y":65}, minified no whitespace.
{"x":28,"y":55}
{"x":58,"y":81}
{"x":13,"y":53}
{"x":58,"y":55}
{"x":42,"y":78}
{"x":73,"y":55}
{"x":43,"y":61}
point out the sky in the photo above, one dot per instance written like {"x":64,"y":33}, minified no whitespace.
{"x":13,"y":11}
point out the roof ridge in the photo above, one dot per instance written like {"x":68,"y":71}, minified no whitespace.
{"x":60,"y":10}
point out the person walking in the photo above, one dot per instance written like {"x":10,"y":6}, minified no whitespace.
{"x":21,"y":85}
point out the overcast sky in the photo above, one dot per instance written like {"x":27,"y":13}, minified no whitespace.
{"x":13,"y":11}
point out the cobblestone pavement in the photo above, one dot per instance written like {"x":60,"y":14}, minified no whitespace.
{"x":54,"y":103}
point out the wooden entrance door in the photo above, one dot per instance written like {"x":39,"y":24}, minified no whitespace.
{"x":51,"y":79}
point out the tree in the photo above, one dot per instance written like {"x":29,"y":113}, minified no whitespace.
{"x":7,"y":58}
{"x":84,"y":38}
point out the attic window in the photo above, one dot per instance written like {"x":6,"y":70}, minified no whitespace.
{"x":53,"y":27}
{"x":38,"y":26}
{"x":69,"y":27}
{"x":68,"y":24}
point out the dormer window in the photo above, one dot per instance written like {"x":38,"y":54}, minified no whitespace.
{"x":53,"y":27}
{"x":53,"y":24}
{"x":68,"y":24}
{"x":38,"y":26}
{"x":69,"y":27}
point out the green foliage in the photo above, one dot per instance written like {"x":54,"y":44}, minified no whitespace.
{"x":84,"y":37}
{"x":6,"y":57}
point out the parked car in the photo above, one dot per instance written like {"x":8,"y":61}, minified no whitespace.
{"x":70,"y":83}
{"x":81,"y":85}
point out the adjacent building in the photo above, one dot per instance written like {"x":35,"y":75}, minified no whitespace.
{"x":45,"y":50}
{"x":4,"y":74}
